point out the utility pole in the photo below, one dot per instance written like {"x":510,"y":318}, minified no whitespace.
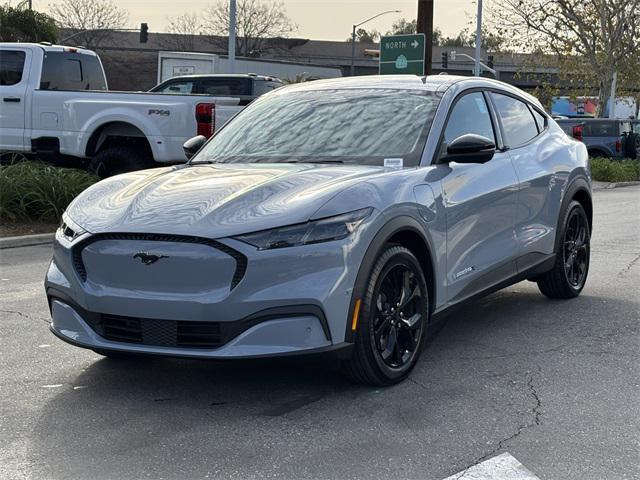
{"x":425,"y":25}
{"x":231,"y":62}
{"x":478,"y":37}
{"x":30,"y":4}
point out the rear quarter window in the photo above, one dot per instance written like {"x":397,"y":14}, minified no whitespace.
{"x":601,"y":129}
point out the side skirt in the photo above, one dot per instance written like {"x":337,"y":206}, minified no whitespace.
{"x":531,"y":272}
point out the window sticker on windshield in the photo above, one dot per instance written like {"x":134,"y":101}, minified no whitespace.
{"x":393,"y":162}
{"x":481,"y":105}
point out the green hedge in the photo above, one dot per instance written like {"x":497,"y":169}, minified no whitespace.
{"x":607,"y":170}
{"x":33,"y":190}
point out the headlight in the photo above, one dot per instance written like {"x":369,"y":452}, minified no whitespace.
{"x":323,"y":230}
{"x":69,"y":229}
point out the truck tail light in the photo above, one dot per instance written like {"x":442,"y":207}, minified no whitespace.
{"x":577,"y":132}
{"x":618,"y":145}
{"x":206,"y":119}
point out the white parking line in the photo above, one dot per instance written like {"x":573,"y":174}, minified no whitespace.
{"x":502,"y":467}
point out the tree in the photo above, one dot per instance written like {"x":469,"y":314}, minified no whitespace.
{"x":587,"y":41}
{"x":184,"y":29}
{"x":366,"y":36}
{"x":404,"y":27}
{"x":97,"y":17}
{"x":256,"y":21}
{"x":20,"y":24}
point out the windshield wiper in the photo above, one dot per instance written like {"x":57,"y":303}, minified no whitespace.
{"x":313,"y":161}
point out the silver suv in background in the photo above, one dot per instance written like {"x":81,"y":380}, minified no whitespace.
{"x":604,"y":137}
{"x":247,"y":86}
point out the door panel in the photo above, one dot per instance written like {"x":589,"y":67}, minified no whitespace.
{"x":532,"y":154}
{"x":14,"y":73}
{"x":480,"y":203}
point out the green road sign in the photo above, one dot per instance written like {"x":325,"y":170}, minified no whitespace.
{"x":402,"y":54}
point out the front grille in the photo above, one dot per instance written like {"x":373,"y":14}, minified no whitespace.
{"x":241,"y":260}
{"x":161,"y":333}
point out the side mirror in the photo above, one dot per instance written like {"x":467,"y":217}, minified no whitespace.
{"x":192,"y":145}
{"x":470,"y":148}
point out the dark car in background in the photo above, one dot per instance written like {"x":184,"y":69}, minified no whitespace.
{"x":247,"y":86}
{"x":604,"y":137}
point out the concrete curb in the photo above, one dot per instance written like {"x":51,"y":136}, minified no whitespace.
{"x":611,"y":185}
{"x":26,"y":240}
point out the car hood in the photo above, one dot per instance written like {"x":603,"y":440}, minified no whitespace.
{"x":213,"y":200}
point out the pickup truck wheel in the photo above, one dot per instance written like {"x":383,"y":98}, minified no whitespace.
{"x":120,"y":159}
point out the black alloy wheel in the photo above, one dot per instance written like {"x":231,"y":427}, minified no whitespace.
{"x":575,"y":249}
{"x":393,"y":320}
{"x":397,"y":324}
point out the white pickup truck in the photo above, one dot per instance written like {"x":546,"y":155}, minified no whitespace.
{"x":54,"y":101}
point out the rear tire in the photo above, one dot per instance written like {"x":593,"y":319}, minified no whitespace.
{"x":393,"y":320}
{"x":633,"y":146}
{"x":118,"y":159}
{"x":569,"y":273}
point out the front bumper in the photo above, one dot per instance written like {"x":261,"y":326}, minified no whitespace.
{"x":289,"y":301}
{"x":270,"y":337}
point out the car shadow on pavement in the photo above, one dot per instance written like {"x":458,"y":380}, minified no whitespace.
{"x":479,"y":362}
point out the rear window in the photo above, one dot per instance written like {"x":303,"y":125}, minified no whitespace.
{"x":71,"y":71}
{"x":11,"y":67}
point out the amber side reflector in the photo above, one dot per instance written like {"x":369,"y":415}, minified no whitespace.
{"x":356,"y":314}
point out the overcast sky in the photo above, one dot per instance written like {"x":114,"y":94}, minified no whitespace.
{"x":316,"y":19}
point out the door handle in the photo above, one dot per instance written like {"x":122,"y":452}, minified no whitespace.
{"x":11,"y":99}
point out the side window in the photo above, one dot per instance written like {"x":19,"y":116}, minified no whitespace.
{"x":469,"y":115}
{"x":518,"y":123}
{"x":540,"y":119}
{"x":184,"y":87}
{"x":71,"y":71}
{"x":226,"y":86}
{"x":261,"y":87}
{"x":11,"y":66}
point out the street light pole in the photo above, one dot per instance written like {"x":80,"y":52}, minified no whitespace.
{"x":231,"y":62}
{"x":478,"y":37}
{"x":353,"y":38}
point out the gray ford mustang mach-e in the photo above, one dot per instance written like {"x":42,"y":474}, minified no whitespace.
{"x":343,"y":216}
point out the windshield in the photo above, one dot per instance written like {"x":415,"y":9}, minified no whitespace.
{"x":366,"y":126}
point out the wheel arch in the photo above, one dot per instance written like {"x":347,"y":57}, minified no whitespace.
{"x":405,"y":231}
{"x":580,"y":191}
{"x":114,"y":129}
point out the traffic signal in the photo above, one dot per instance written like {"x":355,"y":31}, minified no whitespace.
{"x":490,"y":61}
{"x":445,"y":60}
{"x":144,"y":35}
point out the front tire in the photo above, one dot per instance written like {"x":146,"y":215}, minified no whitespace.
{"x":393,"y":320}
{"x":569,"y":273}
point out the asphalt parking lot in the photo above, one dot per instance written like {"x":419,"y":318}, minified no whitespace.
{"x":555,"y":384}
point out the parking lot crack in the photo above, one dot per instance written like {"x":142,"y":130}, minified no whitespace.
{"x":535,"y":421}
{"x":627,"y":268}
{"x":24,"y":315}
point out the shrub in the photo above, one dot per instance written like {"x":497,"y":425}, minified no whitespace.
{"x":607,"y":170}
{"x":33,"y":190}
